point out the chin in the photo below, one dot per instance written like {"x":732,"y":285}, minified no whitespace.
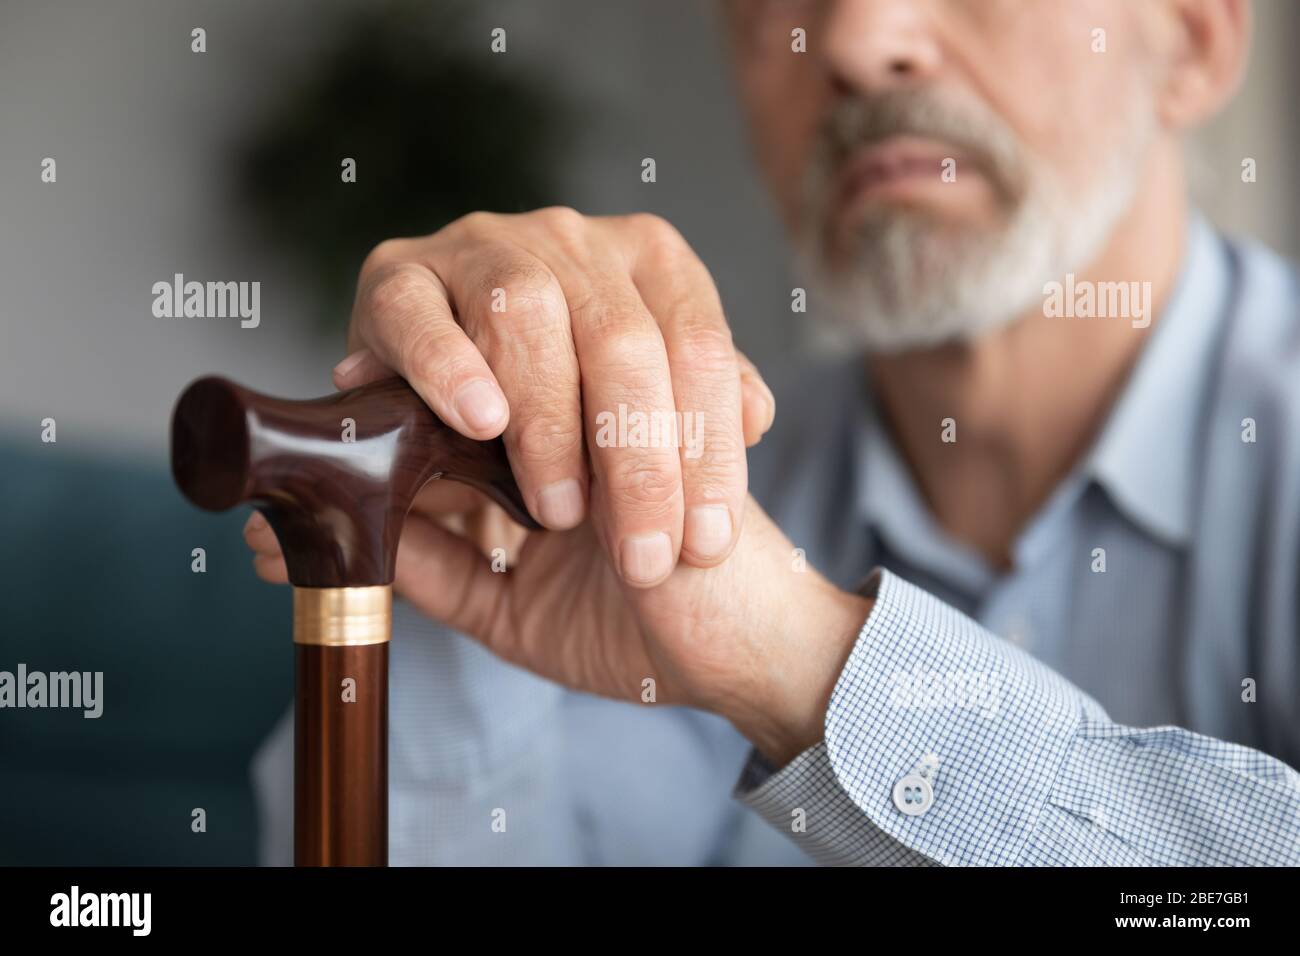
{"x":911,"y":277}
{"x":911,"y":280}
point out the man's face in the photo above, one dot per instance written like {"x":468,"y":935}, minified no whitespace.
{"x":937,"y":161}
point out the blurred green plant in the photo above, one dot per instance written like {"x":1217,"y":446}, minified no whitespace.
{"x":438,"y":125}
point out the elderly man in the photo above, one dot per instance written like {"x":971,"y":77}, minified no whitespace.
{"x":1052,"y":487}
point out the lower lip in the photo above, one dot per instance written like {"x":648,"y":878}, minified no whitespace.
{"x":917,"y":187}
{"x":899,"y":184}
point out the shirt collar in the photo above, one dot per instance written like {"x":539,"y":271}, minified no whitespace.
{"x":1146,"y":456}
{"x":890,"y":503}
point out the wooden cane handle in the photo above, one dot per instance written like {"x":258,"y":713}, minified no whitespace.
{"x":334,"y":476}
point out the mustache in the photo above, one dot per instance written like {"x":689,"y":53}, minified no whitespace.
{"x":975,"y":131}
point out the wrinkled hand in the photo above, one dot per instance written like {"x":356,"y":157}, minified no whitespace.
{"x":597,"y":313}
{"x":757,"y":639}
{"x":536,"y":327}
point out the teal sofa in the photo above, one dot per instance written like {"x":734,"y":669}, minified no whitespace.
{"x":95,"y":575}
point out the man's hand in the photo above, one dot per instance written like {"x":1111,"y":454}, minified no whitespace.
{"x":759,"y":639}
{"x":598,"y":313}
{"x":533,"y":326}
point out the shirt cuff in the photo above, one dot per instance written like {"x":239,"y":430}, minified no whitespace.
{"x":942,"y":744}
{"x":806,"y":801}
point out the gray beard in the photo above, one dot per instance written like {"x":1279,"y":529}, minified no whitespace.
{"x":909,"y":282}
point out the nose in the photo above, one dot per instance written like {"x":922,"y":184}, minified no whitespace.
{"x":877,"y":45}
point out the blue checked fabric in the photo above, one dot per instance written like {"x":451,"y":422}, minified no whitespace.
{"x":1038,"y":758}
{"x":1030,"y":770}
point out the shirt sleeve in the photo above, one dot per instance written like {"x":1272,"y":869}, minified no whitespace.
{"x":946,"y":745}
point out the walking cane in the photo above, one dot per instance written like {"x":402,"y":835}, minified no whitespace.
{"x":335,"y":477}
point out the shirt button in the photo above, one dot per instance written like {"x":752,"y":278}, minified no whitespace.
{"x":913,"y":795}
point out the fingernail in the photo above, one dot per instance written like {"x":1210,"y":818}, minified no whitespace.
{"x":708,"y":530}
{"x":348,"y":364}
{"x":771,"y":400}
{"x":647,"y":558}
{"x":771,"y":406}
{"x":481,"y":405}
{"x":255,"y":522}
{"x":559,"y":504}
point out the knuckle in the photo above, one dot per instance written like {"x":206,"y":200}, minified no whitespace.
{"x":531,"y":289}
{"x":538,"y":365}
{"x":716,"y":472}
{"x":617,"y":325}
{"x":662,"y":246}
{"x":644,"y":483}
{"x":430,"y":353}
{"x":713,"y":449}
{"x":543,"y":305}
{"x":472,"y":224}
{"x":522,"y":308}
{"x":659,"y":236}
{"x":548,"y":441}
{"x":394,"y":290}
{"x":564,"y":221}
{"x":708,"y":346}
{"x":634,"y":363}
{"x":503,"y":266}
{"x":385,"y":253}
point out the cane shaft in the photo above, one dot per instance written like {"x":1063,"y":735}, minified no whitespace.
{"x":341,"y":726}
